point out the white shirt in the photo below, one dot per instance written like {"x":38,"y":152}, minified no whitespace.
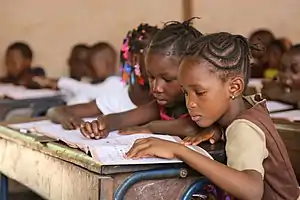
{"x":114,"y":101}
{"x":77,"y":92}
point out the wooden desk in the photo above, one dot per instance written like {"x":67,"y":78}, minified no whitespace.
{"x":55,"y":171}
{"x":290,"y":134}
{"x":38,"y":107}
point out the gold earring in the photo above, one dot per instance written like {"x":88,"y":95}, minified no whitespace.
{"x":232,"y":97}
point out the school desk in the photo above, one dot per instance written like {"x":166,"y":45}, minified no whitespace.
{"x":290,"y":134}
{"x":55,"y":171}
{"x":27,"y":107}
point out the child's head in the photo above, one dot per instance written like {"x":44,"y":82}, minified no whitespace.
{"x":213,"y":75}
{"x":102,"y":61}
{"x":18,"y":58}
{"x":290,"y":68}
{"x":274,"y":53}
{"x":163,"y":58}
{"x":261,"y":37}
{"x":78,"y":61}
{"x":133,"y":53}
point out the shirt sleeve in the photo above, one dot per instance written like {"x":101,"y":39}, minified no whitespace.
{"x":245,"y":146}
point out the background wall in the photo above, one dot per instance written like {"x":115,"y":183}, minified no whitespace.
{"x":243,"y":17}
{"x":52,"y":27}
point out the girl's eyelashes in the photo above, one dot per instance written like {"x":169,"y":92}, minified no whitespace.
{"x":200,"y":93}
{"x":168,"y":79}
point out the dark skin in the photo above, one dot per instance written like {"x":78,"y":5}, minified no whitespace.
{"x":78,"y":65}
{"x":71,"y":116}
{"x":17,"y":69}
{"x":287,"y":88}
{"x":100,"y":64}
{"x":208,"y":99}
{"x":162,"y":73}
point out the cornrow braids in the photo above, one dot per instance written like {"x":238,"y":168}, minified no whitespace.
{"x":229,"y":54}
{"x":135,"y":42}
{"x":174,"y":38}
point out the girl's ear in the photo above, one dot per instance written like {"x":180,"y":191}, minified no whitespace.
{"x":236,"y":86}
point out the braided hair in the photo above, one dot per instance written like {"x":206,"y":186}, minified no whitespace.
{"x":228,"y":54}
{"x":135,"y":42}
{"x":174,"y":39}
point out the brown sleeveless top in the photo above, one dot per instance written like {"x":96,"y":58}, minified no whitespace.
{"x":280,"y":182}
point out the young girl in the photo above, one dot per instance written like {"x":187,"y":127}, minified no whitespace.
{"x":162,"y":61}
{"x":212,"y":77}
{"x":287,"y":87}
{"x":112,"y":98}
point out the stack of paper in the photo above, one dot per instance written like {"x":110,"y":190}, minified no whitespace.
{"x":292,"y":115}
{"x":275,"y":106}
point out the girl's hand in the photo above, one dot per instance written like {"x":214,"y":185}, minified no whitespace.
{"x":213,"y":135}
{"x":135,"y":130}
{"x":96,"y":129}
{"x":71,"y":123}
{"x":153,"y":147}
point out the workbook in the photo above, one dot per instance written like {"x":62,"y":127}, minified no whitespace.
{"x":275,"y":106}
{"x":108,"y":151}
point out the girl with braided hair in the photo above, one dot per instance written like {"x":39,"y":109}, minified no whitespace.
{"x":213,"y":75}
{"x":167,"y":114}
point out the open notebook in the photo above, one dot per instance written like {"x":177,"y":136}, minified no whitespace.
{"x":108,"y":151}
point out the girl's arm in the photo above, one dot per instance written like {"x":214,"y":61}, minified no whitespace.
{"x":138,"y":116}
{"x":71,"y":116}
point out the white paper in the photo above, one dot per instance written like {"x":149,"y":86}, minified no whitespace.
{"x":19,"y":94}
{"x":115,"y":154}
{"x":292,"y":115}
{"x":274,"y":106}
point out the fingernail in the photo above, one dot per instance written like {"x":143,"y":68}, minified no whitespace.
{"x":92,"y":135}
{"x":97,"y":137}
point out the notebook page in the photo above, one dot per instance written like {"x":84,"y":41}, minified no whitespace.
{"x":114,"y":155}
{"x":274,"y":106}
{"x":292,"y":115}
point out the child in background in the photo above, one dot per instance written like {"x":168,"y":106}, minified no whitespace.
{"x":212,"y":77}
{"x":287,"y":87}
{"x":116,"y":99}
{"x":18,"y":60}
{"x":168,"y":114}
{"x":102,"y":61}
{"x":78,"y":61}
{"x":262,"y":38}
{"x":274,"y":52}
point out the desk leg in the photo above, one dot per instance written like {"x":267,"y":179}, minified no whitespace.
{"x":197,"y":186}
{"x":4,"y":187}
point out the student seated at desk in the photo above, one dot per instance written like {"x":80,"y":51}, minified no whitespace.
{"x":212,"y":77}
{"x":78,"y":61}
{"x":18,"y":60}
{"x":102,"y":61}
{"x":263,"y":38}
{"x":167,"y":114}
{"x":287,"y":87}
{"x":116,"y":99}
{"x":274,"y":52}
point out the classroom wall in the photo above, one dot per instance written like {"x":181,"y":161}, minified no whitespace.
{"x":52,"y":27}
{"x":243,"y":17}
